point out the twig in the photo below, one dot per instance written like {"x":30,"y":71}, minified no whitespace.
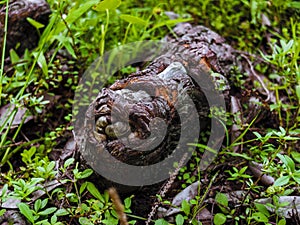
{"x":257,"y":77}
{"x":165,"y":189}
{"x":119,"y":207}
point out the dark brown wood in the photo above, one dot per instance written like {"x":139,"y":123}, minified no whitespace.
{"x":194,"y":51}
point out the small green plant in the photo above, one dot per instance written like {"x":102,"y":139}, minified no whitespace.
{"x":40,"y":212}
{"x":77,"y":33}
{"x":226,"y":212}
{"x":23,"y":189}
{"x":289,"y":174}
{"x":237,"y":174}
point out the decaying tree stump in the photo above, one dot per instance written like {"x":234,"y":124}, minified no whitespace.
{"x":127,"y":119}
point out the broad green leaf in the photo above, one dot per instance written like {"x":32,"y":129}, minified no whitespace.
{"x":44,"y":203}
{"x":281,"y":222}
{"x":262,"y":208}
{"x":281,"y":181}
{"x":34,"y":23}
{"x":288,"y":162}
{"x":294,"y":4}
{"x":37,"y":205}
{"x":50,"y":166}
{"x":13,"y":56}
{"x":41,"y":62}
{"x":185,"y":207}
{"x":296,"y":177}
{"x":107,"y":4}
{"x":86,"y":173}
{"x":134,"y":20}
{"x":53,"y":219}
{"x":260,"y":217}
{"x":2,"y":211}
{"x":61,"y":212}
{"x":179,"y":219}
{"x":94,"y":191}
{"x":68,"y":162}
{"x":219,"y":219}
{"x":127,"y":203}
{"x":222,"y":199}
{"x":83,"y":187}
{"x":47,"y":211}
{"x":161,"y":222}
{"x":282,"y":158}
{"x":26,"y":211}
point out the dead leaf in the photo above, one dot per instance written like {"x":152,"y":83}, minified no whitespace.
{"x":187,"y":194}
{"x":286,"y":210}
{"x":256,"y":169}
{"x":5,"y":116}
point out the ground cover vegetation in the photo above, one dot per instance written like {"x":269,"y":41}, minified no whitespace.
{"x":254,"y":180}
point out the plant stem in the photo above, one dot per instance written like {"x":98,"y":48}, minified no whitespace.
{"x":3,"y":48}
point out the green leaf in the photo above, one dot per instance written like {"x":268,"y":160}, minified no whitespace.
{"x":185,"y":207}
{"x":134,"y":20}
{"x":85,"y":221}
{"x":13,"y":56}
{"x":281,"y":181}
{"x":179,"y":219}
{"x":2,"y":211}
{"x":281,"y":222}
{"x":261,"y":208}
{"x":222,"y":199}
{"x":86,"y":173}
{"x":34,"y":23}
{"x":259,"y":217}
{"x":127,"y":203}
{"x":61,"y":212}
{"x":47,"y":211}
{"x":75,"y":13}
{"x":296,"y":177}
{"x":44,"y":203}
{"x":290,"y":164}
{"x":26,"y":211}
{"x":41,"y":62}
{"x":296,"y":156}
{"x":243,"y":170}
{"x":94,"y":191}
{"x":27,"y":155}
{"x":43,"y":222}
{"x":68,"y":162}
{"x":50,"y":166}
{"x":161,"y":222}
{"x":37,"y":205}
{"x":83,"y":187}
{"x":219,"y":219}
{"x":298,"y":91}
{"x":107,"y":5}
{"x":53,"y":219}
{"x":257,"y":134}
